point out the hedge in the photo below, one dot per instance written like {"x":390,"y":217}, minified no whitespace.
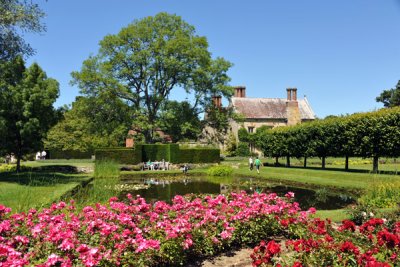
{"x":199,"y":155}
{"x":120,"y":155}
{"x":69,"y":154}
{"x":155,"y":152}
{"x":169,"y":152}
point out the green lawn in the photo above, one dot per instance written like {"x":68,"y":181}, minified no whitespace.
{"x":61,"y":162}
{"x":33,"y":189}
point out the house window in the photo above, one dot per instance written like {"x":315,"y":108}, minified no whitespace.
{"x":252,"y":147}
{"x":251,"y":129}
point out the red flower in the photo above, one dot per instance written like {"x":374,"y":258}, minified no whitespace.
{"x":347,"y":225}
{"x":273,"y":248}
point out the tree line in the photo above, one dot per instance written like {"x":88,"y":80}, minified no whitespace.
{"x":368,"y":135}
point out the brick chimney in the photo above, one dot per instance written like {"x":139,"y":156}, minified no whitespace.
{"x":217,"y":100}
{"x":292,"y":107}
{"x":291,"y":94}
{"x":240,"y":91}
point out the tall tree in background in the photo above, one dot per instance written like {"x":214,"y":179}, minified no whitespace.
{"x":148,"y":59}
{"x":17,"y":17}
{"x":390,"y":98}
{"x":92,"y":122}
{"x":180,"y":121}
{"x":26,"y":107}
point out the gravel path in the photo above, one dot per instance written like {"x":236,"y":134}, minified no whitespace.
{"x":238,"y":258}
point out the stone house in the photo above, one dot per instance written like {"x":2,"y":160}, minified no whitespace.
{"x":270,"y":112}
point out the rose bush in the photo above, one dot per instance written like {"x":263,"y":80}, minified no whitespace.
{"x":137,"y":233}
{"x":376,"y":243}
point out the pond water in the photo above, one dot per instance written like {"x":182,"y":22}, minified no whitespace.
{"x":153,"y":189}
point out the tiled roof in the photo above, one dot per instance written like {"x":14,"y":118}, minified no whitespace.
{"x":269,"y":108}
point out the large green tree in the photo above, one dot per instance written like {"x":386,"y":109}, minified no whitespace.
{"x":26,"y":107}
{"x":90,"y":123}
{"x":180,"y":121}
{"x":391,"y":97}
{"x":17,"y":17}
{"x":146,"y":61}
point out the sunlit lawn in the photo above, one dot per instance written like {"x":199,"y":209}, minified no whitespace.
{"x":33,"y":189}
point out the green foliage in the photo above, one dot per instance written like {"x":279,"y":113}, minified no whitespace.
{"x":199,"y":155}
{"x":243,"y":135}
{"x":243,"y":149}
{"x":18,"y":17}
{"x":231,"y":145}
{"x":155,"y":152}
{"x":106,"y":169}
{"x":92,"y":122}
{"x":220,"y":170}
{"x":391,"y":97}
{"x":104,"y":185}
{"x":381,"y":195}
{"x":174,"y":153}
{"x":217,"y":124}
{"x":70,"y":154}
{"x":26,"y":107}
{"x":120,"y":155}
{"x":368,"y":135}
{"x":148,"y":59}
{"x":181,"y":121}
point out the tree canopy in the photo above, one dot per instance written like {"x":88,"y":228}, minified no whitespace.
{"x":26,"y":107}
{"x":368,"y":135}
{"x":146,"y":61}
{"x":90,"y":123}
{"x":391,"y":97}
{"x":17,"y":17}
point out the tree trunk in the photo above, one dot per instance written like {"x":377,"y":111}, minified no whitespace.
{"x":323,"y":162}
{"x":375,"y":164}
{"x":346,"y":167}
{"x":276,"y":161}
{"x":305,"y":162}
{"x":287,"y":161}
{"x":19,"y":153}
{"x":18,"y":163}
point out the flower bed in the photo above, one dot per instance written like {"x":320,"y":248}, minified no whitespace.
{"x":142,"y":234}
{"x":376,"y":243}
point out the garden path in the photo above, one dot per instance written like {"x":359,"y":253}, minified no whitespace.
{"x":238,"y":258}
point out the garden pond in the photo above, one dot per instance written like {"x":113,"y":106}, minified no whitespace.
{"x":165,"y":188}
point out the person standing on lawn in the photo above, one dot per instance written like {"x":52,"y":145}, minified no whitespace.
{"x":257,"y":162}
{"x":251,"y":164}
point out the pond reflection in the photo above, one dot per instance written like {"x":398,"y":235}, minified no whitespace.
{"x":153,"y":189}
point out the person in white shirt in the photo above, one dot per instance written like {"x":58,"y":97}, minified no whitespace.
{"x":251,"y":163}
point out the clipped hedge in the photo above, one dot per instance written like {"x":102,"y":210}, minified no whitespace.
{"x":199,"y":155}
{"x":120,"y":155}
{"x":156,"y":152}
{"x":69,"y":154}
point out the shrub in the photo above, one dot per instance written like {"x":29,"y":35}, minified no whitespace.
{"x":243,"y":149}
{"x":220,"y":170}
{"x":381,"y":195}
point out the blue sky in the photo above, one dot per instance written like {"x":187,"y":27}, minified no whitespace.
{"x":341,"y":54}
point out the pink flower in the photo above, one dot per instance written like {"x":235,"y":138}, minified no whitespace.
{"x":312,"y":210}
{"x":289,"y":195}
